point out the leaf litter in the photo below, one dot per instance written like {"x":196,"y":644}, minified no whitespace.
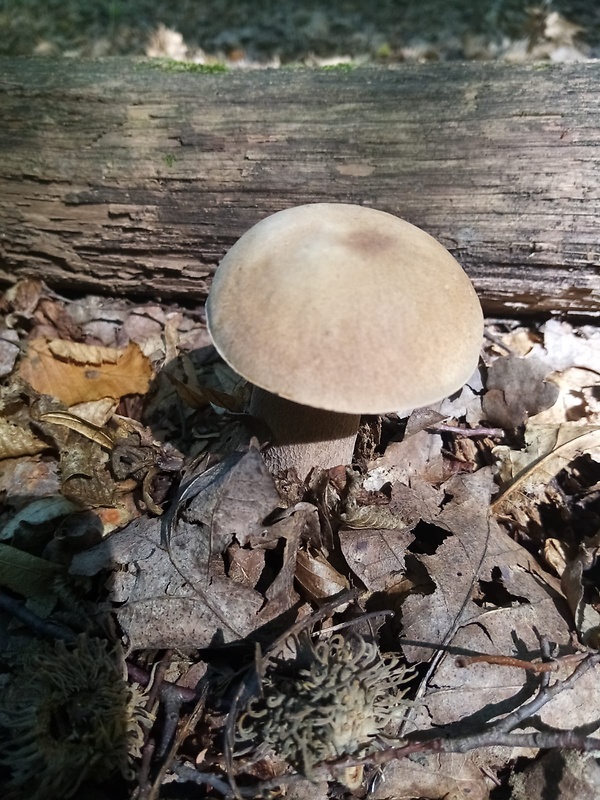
{"x":138,"y":506}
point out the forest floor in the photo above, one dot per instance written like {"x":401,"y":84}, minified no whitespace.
{"x":285,"y":31}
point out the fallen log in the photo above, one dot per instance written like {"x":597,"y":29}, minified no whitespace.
{"x":135,"y":177}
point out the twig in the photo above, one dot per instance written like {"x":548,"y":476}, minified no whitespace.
{"x":497,"y":734}
{"x":191,"y":774}
{"x":144,"y":787}
{"x":472,"y":433}
{"x":187,"y":728}
{"x":46,"y":628}
{"x":545,"y":694}
{"x":509,"y":661}
{"x":462,"y":744}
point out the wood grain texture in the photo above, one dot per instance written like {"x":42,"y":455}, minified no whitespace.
{"x":122,"y":176}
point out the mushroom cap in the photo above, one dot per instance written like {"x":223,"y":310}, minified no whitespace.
{"x":345,"y":308}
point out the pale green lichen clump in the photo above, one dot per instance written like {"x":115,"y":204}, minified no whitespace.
{"x":69,"y":717}
{"x":338,"y":705}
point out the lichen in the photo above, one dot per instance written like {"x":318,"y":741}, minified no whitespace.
{"x":69,"y":717}
{"x":338,"y":705}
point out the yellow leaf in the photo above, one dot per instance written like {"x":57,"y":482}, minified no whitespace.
{"x":17,"y":441}
{"x":64,"y":372}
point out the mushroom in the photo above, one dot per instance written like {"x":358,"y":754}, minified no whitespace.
{"x":334,"y":310}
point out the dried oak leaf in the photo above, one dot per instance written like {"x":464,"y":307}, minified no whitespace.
{"x":560,"y":773}
{"x":474,"y":553}
{"x":16,"y":440}
{"x":9,"y":350}
{"x":516,"y":390}
{"x":444,"y":776}
{"x":470,"y":697}
{"x":550,"y":448}
{"x":462,"y":700}
{"x":77,"y":373}
{"x":198,"y":592}
{"x":178,"y":599}
{"x":587,"y":618}
{"x":165,"y":602}
{"x":376,"y":556}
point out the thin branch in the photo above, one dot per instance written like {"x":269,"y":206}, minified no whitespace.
{"x":497,"y":734}
{"x":187,"y":728}
{"x":518,"y":663}
{"x":190,"y":774}
{"x":545,"y":694}
{"x":545,"y":740}
{"x":46,"y":628}
{"x":472,"y":433}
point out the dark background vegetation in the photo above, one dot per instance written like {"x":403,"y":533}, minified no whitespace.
{"x":289,"y":29}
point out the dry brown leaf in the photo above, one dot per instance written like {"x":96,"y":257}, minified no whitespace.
{"x":587,"y":619}
{"x":419,"y":454}
{"x":245,"y":497}
{"x":28,"y":477}
{"x":169,"y":603}
{"x":281,"y":593}
{"x":245,"y":566}
{"x":16,"y":440}
{"x":201,"y":591}
{"x":9,"y":350}
{"x":317,"y":577}
{"x":477,"y":550}
{"x":549,"y":450}
{"x":444,"y":776}
{"x":561,"y":774}
{"x":481,"y":691}
{"x":62,"y":371}
{"x":469,"y":698}
{"x":98,"y":412}
{"x":376,"y":556}
{"x":516,"y":390}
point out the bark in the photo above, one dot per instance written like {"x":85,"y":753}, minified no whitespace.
{"x":128,"y":177}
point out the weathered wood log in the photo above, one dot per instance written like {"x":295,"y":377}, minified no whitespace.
{"x":128,"y":177}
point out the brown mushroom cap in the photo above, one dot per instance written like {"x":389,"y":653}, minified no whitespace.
{"x":345,"y":308}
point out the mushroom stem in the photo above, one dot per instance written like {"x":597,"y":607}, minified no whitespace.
{"x":304,"y":437}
